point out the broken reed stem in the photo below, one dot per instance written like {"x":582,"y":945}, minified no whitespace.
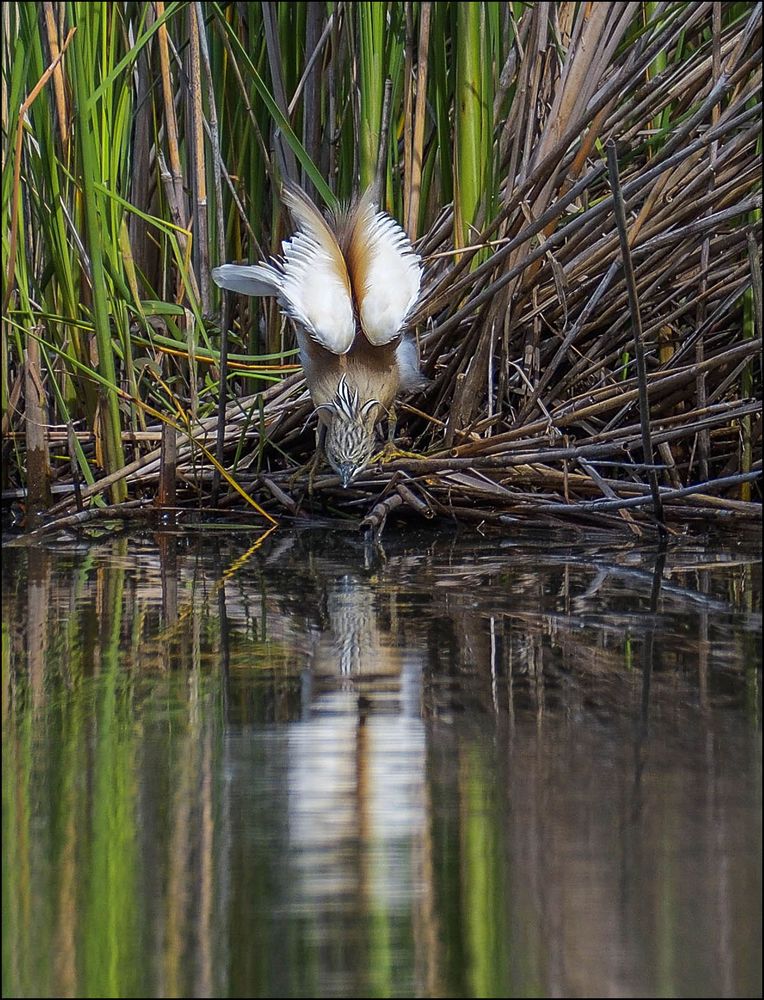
{"x":619,"y":209}
{"x":168,"y":466}
{"x":36,"y":420}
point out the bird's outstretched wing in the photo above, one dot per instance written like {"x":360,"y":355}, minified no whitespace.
{"x":247,"y":279}
{"x":311,"y":282}
{"x":385,"y":271}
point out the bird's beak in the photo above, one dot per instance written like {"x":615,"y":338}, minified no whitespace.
{"x":346,"y":475}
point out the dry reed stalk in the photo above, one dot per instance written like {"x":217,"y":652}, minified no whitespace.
{"x":175,"y":193}
{"x":413,"y":176}
{"x":636,"y":323}
{"x":199,"y":172}
{"x":35,"y":422}
{"x":168,"y":467}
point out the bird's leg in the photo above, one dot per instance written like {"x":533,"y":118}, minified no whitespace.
{"x":392,"y":423}
{"x":389,"y":452}
{"x":315,"y":463}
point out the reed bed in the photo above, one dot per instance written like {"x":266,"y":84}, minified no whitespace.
{"x":582,"y":180}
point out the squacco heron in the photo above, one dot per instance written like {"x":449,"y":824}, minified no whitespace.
{"x":348,"y":281}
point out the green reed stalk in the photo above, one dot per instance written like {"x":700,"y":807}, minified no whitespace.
{"x":469,"y":113}
{"x":371,"y":18}
{"x":95,"y":211}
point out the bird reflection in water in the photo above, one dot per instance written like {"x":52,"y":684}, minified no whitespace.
{"x":357,"y":801}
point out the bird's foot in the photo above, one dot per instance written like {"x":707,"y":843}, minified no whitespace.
{"x":390,"y":453}
{"x":309,"y":469}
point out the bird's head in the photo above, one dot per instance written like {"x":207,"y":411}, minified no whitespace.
{"x":350,"y":440}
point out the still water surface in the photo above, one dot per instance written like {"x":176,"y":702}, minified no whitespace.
{"x":466,"y":766}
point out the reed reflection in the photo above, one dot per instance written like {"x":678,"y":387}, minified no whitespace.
{"x":235,"y":767}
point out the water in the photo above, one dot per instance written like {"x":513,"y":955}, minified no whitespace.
{"x":467,"y":766}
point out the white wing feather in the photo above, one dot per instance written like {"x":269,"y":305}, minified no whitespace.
{"x":246,"y":279}
{"x":386,"y":273}
{"x":314,"y":294}
{"x":311,"y":282}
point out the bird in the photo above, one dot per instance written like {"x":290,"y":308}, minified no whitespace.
{"x":349,"y":280}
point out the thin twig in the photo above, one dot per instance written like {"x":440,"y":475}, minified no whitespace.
{"x":384,"y":139}
{"x":636,"y":322}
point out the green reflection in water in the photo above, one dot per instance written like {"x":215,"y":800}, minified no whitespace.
{"x":440,"y":775}
{"x":483,"y":892}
